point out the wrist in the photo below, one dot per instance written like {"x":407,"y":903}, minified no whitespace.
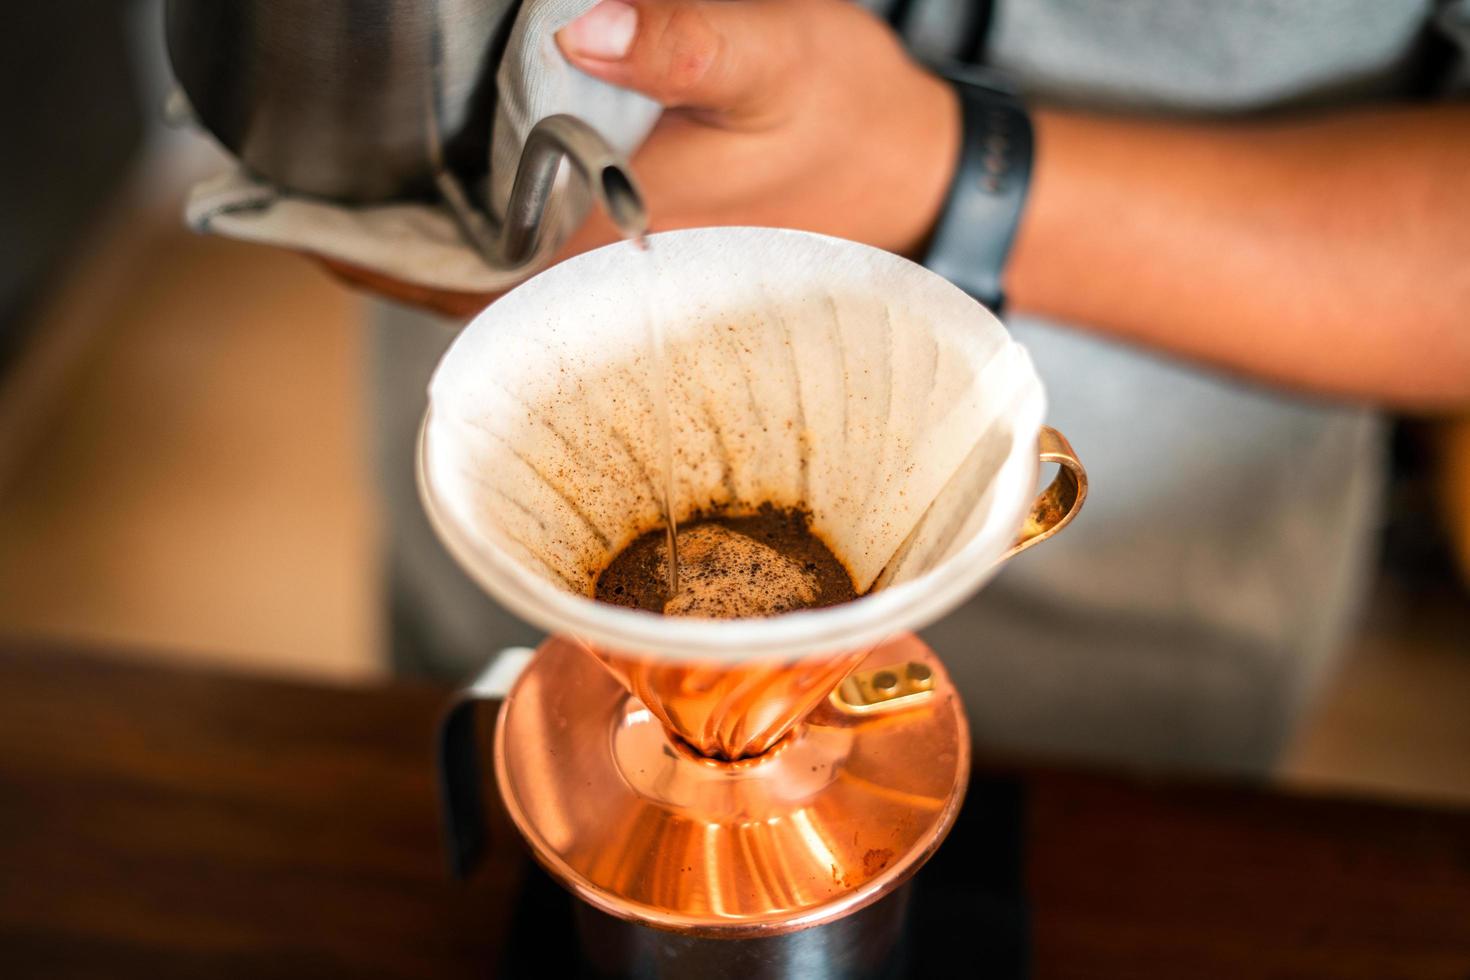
{"x":972,"y":239}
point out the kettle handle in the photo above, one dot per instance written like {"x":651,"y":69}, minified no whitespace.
{"x":1062,"y":498}
{"x":461,"y":802}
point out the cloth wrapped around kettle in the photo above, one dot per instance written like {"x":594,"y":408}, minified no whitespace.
{"x":420,"y":242}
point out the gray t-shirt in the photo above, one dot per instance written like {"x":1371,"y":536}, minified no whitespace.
{"x":1186,"y":615}
{"x":1217,"y":567}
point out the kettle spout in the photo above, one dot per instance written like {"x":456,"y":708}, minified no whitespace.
{"x":606,"y":174}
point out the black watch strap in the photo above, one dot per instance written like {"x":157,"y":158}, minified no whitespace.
{"x":973,"y":237}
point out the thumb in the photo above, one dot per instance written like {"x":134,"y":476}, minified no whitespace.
{"x":723,"y":55}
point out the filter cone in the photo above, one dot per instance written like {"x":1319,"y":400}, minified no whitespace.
{"x":803,"y":371}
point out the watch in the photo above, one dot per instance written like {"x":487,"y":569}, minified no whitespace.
{"x":973,"y":237}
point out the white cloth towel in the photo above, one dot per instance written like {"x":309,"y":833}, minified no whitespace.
{"x":420,"y":243}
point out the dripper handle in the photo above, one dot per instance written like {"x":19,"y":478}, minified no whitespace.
{"x":1062,"y":498}
{"x":461,"y":802}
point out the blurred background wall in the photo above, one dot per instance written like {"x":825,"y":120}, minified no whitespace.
{"x":186,"y":447}
{"x":184,"y":453}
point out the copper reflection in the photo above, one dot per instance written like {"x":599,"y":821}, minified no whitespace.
{"x":836,"y":815}
{"x":730,"y":711}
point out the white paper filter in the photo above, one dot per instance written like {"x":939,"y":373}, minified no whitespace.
{"x":802,"y":370}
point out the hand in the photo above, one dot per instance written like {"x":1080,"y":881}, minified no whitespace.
{"x":442,"y":301}
{"x":788,"y":113}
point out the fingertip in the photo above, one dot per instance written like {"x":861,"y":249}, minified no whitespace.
{"x":603,"y":34}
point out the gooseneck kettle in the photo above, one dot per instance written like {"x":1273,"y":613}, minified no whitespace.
{"x":369,"y":101}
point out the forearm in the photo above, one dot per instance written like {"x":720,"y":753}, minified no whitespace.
{"x":1331,"y":255}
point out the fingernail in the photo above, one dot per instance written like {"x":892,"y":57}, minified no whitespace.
{"x":605,"y":32}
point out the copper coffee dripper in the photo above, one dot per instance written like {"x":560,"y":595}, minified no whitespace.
{"x":763,"y":780}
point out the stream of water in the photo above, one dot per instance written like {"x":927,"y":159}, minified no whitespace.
{"x":657,"y":355}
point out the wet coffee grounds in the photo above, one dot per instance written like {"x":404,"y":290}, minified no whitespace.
{"x":730,"y":567}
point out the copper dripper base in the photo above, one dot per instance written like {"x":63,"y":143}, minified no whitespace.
{"x":836,"y":815}
{"x":729,"y":711}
